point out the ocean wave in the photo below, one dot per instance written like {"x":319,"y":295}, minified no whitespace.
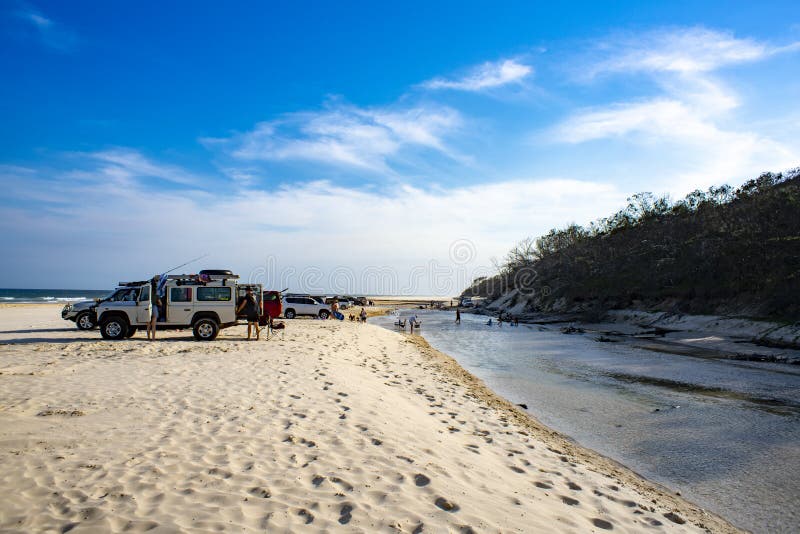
{"x":29,"y":300}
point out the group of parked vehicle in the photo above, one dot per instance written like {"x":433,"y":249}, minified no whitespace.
{"x":205,"y":302}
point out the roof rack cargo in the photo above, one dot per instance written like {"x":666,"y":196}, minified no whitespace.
{"x":208,"y":276}
{"x":132,"y":284}
{"x":218,"y":272}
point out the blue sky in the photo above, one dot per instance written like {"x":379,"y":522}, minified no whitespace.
{"x":367,"y":147}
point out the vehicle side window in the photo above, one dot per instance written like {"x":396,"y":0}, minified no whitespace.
{"x":270,"y":297}
{"x":144,"y":294}
{"x":213,"y":294}
{"x":291,"y":300}
{"x":310,"y":301}
{"x":180,"y":294}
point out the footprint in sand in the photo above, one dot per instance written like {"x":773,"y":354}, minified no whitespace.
{"x":569,"y":500}
{"x":602,"y":523}
{"x":345,"y":485}
{"x":446,"y":505}
{"x":421,"y":480}
{"x":260,"y":492}
{"x":317,"y":480}
{"x":309,"y":517}
{"x":345,"y":514}
{"x":543,"y":485}
{"x":574,"y":486}
{"x":675,"y":518}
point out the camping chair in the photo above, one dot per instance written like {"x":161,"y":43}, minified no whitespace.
{"x":273,"y":329}
{"x":401,"y":323}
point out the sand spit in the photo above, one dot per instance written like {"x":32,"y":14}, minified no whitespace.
{"x":333,"y":426}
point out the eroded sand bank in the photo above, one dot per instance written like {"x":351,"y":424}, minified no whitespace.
{"x":331,"y":426}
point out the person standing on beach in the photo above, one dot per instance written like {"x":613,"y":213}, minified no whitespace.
{"x":155,"y":304}
{"x":250,"y":306}
{"x":363,"y":315}
{"x":458,"y":315}
{"x":334,"y":308}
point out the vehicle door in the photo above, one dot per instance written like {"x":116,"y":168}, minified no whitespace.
{"x":180,"y":306}
{"x":218,"y":299}
{"x":300,"y":305}
{"x":143,"y":305}
{"x":310,"y":306}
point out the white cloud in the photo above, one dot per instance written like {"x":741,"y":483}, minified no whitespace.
{"x":303,"y":225}
{"x":684,"y":50}
{"x":692,"y":124}
{"x":702,"y":152}
{"x":488,"y":75}
{"x":366,"y":138}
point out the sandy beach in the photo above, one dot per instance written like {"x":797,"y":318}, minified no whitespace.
{"x":329,"y":426}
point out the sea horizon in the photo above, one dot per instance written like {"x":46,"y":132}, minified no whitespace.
{"x":51,"y":295}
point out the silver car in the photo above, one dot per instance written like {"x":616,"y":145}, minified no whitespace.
{"x":84,"y":313}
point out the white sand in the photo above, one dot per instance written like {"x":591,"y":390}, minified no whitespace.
{"x":335,"y":426}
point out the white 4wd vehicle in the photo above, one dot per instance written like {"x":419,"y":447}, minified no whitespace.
{"x":206,"y":304}
{"x":297,"y":305}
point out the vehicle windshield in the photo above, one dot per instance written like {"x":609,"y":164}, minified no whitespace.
{"x":123,"y":294}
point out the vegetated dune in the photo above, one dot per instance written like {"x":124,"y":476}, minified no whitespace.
{"x":725,"y":251}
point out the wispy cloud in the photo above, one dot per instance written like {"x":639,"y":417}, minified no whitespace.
{"x":346,"y":135}
{"x":488,"y":75}
{"x":681,"y":50}
{"x":126,"y":166}
{"x":691,"y":118}
{"x":52,"y":34}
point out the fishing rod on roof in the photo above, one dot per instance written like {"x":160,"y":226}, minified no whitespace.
{"x":163,"y":281}
{"x":187,"y":263}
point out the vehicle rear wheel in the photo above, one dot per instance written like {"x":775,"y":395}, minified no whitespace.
{"x":324,"y":314}
{"x":113,"y":328}
{"x":85,"y":321}
{"x":205,"y":329}
{"x":289,"y":314}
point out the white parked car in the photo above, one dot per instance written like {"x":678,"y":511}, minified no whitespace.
{"x":305,"y":305}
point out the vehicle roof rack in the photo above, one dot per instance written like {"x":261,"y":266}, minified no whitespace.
{"x":207,"y":276}
{"x":132,"y":284}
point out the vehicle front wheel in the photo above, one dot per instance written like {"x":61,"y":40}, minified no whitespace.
{"x":205,"y":329}
{"x":113,"y":328}
{"x":289,"y":314}
{"x":324,"y":314}
{"x":85,"y":321}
